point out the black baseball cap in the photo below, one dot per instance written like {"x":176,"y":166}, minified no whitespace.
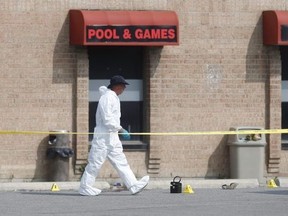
{"x":117,"y":80}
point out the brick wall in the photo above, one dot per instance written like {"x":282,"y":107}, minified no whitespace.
{"x":216,"y":78}
{"x":37,"y":76}
{"x":220,"y":76}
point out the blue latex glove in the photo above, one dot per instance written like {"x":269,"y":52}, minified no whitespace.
{"x":125,"y":134}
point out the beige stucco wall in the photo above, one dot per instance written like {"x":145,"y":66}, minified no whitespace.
{"x":219,"y":76}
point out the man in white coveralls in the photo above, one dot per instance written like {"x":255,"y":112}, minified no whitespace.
{"x":106,"y":142}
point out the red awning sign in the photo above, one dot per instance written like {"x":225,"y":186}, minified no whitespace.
{"x":155,"y":28}
{"x":275,"y":28}
{"x":131,"y":34}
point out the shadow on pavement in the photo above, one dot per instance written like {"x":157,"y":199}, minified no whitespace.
{"x":50,"y":193}
{"x":272,"y":192}
{"x":74,"y":193}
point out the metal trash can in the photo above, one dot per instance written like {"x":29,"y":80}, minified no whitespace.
{"x":247,"y":154}
{"x":58,"y":153}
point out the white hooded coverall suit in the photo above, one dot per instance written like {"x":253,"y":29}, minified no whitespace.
{"x":106,"y":144}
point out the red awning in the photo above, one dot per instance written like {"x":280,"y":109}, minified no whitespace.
{"x":141,"y":28}
{"x":275,"y":27}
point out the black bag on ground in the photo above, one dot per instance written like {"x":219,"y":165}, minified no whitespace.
{"x":176,"y":186}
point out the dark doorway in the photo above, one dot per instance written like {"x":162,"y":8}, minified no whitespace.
{"x":107,"y":61}
{"x":284,"y":86}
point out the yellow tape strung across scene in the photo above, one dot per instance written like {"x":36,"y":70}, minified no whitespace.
{"x":268,"y":131}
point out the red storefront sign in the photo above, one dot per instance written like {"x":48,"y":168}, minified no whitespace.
{"x":141,"y":28}
{"x":275,"y":28}
{"x":131,"y":34}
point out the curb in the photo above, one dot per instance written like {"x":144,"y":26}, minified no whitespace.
{"x":153,"y":184}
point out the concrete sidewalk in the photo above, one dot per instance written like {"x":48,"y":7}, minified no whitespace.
{"x":154,"y":183}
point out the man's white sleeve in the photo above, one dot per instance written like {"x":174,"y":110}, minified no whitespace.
{"x":110,"y":114}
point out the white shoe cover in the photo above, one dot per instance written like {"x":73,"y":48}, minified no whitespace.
{"x":89,"y":191}
{"x":140,"y":185}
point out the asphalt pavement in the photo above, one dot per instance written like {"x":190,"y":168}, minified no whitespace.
{"x":207,"y":198}
{"x":159,"y":202}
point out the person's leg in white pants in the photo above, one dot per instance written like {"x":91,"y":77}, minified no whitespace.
{"x":118,"y":159}
{"x":97,"y":157}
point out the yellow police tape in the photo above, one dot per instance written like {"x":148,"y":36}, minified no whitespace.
{"x":268,"y":131}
